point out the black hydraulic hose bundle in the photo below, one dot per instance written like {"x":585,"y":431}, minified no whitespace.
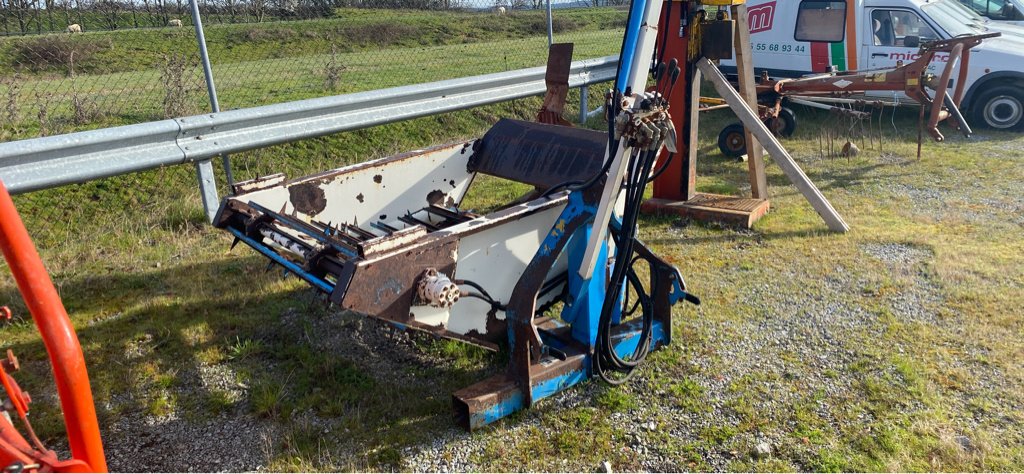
{"x":606,"y":359}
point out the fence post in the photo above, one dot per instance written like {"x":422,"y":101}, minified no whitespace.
{"x":204,"y":169}
{"x":584,"y":107}
{"x":550,"y":31}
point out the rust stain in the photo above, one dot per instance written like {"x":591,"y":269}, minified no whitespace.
{"x":308,"y":198}
{"x":435,"y":197}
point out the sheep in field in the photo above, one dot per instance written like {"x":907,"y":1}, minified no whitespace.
{"x":174,"y":22}
{"x":73,"y":28}
{"x":500,"y":11}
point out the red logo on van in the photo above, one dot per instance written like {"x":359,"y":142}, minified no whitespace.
{"x":761,"y":17}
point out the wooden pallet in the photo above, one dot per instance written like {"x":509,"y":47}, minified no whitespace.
{"x":712,"y":207}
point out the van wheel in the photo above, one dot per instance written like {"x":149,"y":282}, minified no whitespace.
{"x":1001,"y":108}
{"x":784,"y":125}
{"x":732,"y":141}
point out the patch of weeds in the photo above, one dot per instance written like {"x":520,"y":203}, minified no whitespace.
{"x":333,"y":69}
{"x":54,"y":53}
{"x":717,"y":435}
{"x":381,"y":34}
{"x":243,"y":349}
{"x":463,"y":355}
{"x":827,"y":460}
{"x":688,"y":394}
{"x":218,"y":401}
{"x":166,"y":380}
{"x":163,"y":404}
{"x":12,"y":86}
{"x":387,"y":458}
{"x":268,"y":398}
{"x":211,"y":355}
{"x":616,"y":399}
{"x":179,"y":86}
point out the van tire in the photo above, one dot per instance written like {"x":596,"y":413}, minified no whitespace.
{"x":784,"y":125}
{"x":732,"y":140}
{"x":1001,"y":108}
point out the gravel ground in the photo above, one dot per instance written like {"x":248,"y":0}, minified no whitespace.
{"x":174,"y":444}
{"x":793,"y":339}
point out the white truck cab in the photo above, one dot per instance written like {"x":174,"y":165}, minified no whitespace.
{"x":1010,"y":11}
{"x":796,"y":38}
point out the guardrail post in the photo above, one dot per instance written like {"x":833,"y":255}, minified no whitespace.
{"x":584,"y":107}
{"x":550,"y":29}
{"x":204,"y":169}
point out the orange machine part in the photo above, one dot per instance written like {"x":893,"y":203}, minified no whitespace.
{"x":62,"y":345}
{"x":677,"y":182}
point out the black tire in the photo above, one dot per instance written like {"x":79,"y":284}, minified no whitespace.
{"x":732,"y":141}
{"x":784,"y":125}
{"x":1000,"y":108}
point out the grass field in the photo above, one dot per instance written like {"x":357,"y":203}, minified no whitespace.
{"x":137,"y":75}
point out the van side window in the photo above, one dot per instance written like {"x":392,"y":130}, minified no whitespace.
{"x":891,"y":27}
{"x":821,"y":21}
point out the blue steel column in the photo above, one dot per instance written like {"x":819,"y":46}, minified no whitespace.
{"x":636,"y":20}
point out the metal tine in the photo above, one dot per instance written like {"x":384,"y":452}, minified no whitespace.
{"x":447,"y":213}
{"x":383,"y":227}
{"x":412,"y":220}
{"x":309,"y":229}
{"x":345,"y":231}
{"x":359,"y":231}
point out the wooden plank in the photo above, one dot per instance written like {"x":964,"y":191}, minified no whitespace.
{"x":691,"y":143}
{"x":712,"y":207}
{"x":748,"y":90}
{"x":789,"y":166}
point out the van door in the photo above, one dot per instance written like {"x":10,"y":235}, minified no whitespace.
{"x":887,"y":41}
{"x":890,"y":29}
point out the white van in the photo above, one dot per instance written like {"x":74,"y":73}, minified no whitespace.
{"x":795,"y":38}
{"x":1011,"y":11}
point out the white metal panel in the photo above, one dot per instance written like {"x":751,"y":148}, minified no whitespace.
{"x":494,"y":258}
{"x":379,"y":190}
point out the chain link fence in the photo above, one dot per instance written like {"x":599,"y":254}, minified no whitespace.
{"x":140,"y":62}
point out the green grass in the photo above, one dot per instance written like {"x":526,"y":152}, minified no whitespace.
{"x":120,"y":76}
{"x":156,"y":296}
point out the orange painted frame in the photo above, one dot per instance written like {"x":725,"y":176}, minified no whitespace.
{"x":64,"y":350}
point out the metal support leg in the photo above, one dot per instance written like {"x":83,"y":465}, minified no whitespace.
{"x":550,"y":29}
{"x":584,"y":109}
{"x":211,"y":90}
{"x":208,"y":188}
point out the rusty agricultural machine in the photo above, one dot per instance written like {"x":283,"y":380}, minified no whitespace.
{"x":843,"y":93}
{"x":390,"y":238}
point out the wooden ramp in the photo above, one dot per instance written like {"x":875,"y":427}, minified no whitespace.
{"x":739,"y":211}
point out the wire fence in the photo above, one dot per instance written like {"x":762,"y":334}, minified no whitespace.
{"x":57,"y":82}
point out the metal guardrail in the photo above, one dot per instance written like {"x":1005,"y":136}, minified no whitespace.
{"x":40,"y":163}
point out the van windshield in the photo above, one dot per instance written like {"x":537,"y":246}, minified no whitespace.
{"x":955,"y":18}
